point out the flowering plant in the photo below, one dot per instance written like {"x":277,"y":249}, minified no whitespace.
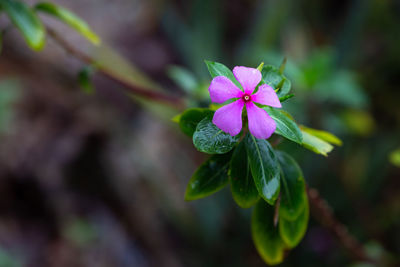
{"x":234,"y":132}
{"x":259,"y":175}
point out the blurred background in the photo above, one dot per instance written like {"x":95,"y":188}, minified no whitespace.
{"x":96,"y":177}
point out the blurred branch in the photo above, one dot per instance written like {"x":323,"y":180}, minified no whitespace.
{"x":162,"y":97}
{"x":324,"y":214}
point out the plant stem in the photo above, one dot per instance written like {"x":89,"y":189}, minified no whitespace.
{"x":165,"y":98}
{"x":323,"y":213}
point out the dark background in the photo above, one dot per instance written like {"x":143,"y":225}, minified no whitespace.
{"x":98,"y":179}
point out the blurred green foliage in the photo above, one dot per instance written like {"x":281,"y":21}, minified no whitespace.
{"x":80,"y":232}
{"x":394,"y":157}
{"x":6,"y":260}
{"x":9,"y":94}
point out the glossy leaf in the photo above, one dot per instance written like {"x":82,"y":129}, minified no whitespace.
{"x":274,"y":78}
{"x":286,"y":97}
{"x":218,"y":69}
{"x":293,"y":231}
{"x":292,"y":187}
{"x":264,"y":168}
{"x":326,"y":136}
{"x":266,"y":237}
{"x":190,"y":118}
{"x":316,"y":144}
{"x":208,"y":138}
{"x":285,"y":126}
{"x":243,"y":189}
{"x":209,"y":178}
{"x":69,"y":18}
{"x":26,"y":20}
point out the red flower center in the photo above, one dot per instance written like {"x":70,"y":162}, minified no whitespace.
{"x":246,"y":98}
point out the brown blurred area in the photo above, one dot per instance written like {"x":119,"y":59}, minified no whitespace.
{"x":75,"y":182}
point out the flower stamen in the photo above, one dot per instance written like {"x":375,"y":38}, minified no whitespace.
{"x":246,"y":98}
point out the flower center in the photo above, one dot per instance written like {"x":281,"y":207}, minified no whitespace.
{"x":246,"y":98}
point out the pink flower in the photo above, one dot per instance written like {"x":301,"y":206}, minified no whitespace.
{"x":229,"y":117}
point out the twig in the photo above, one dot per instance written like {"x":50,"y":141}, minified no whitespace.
{"x":324,"y":214}
{"x":172,"y":100}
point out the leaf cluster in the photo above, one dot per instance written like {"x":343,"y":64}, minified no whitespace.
{"x":26,"y":19}
{"x":259,"y":175}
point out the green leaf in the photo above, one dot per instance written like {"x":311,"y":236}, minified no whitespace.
{"x":26,"y":20}
{"x":394,"y":157}
{"x":84,"y":79}
{"x":218,"y":69}
{"x":69,"y":18}
{"x":293,"y":187}
{"x":293,"y":231}
{"x":183,"y":77}
{"x":177,"y":118}
{"x":316,"y":144}
{"x":266,"y":237}
{"x":260,"y":67}
{"x":326,"y":136}
{"x":274,"y":78}
{"x":191,"y":117}
{"x":264,"y":168}
{"x":209,"y":178}
{"x":359,"y":122}
{"x":243,"y":189}
{"x":208,"y":138}
{"x":285,"y":126}
{"x":283,"y":65}
{"x":286,"y":97}
{"x":341,"y":87}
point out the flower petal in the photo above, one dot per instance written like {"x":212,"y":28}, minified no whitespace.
{"x":247,"y":77}
{"x":266,"y":95}
{"x":222,"y":89}
{"x":261,"y":125}
{"x":229,"y":117}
